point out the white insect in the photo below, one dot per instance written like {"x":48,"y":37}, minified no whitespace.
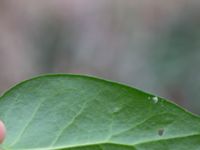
{"x":155,"y":99}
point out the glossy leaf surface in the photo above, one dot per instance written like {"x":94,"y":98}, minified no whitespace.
{"x":72,"y":112}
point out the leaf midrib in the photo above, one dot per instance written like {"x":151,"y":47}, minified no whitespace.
{"x":111,"y":143}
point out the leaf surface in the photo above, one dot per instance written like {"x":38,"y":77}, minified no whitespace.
{"x":72,"y":112}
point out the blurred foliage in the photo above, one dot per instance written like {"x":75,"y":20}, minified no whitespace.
{"x":176,"y":61}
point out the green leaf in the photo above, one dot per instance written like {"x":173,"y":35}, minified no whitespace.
{"x":72,"y":112}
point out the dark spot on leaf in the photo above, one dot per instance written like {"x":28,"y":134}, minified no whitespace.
{"x":161,"y":132}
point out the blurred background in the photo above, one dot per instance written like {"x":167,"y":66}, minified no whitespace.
{"x":153,"y":45}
